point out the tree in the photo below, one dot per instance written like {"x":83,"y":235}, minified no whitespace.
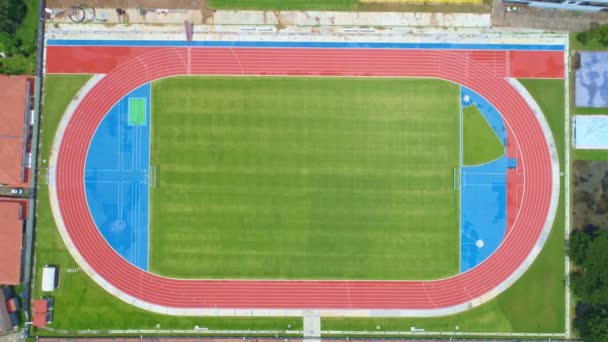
{"x":579,"y":241}
{"x":592,"y":322}
{"x":589,"y":250}
{"x":12,"y":13}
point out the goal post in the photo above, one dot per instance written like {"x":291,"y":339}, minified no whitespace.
{"x":456,"y":178}
{"x":153,"y":176}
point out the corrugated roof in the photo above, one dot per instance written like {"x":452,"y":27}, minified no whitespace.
{"x":11,"y":227}
{"x":12,"y":116}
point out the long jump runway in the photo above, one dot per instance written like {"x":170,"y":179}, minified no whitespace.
{"x":519,"y":247}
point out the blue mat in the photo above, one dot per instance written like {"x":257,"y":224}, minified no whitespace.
{"x":483,"y":194}
{"x":116,"y":180}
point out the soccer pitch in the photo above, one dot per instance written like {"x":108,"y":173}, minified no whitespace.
{"x":304,"y":178}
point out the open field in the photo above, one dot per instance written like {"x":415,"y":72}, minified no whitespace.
{"x":480,"y":143}
{"x":535,"y":303}
{"x":304,"y":178}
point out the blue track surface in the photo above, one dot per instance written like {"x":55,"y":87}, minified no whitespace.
{"x":116,"y":180}
{"x":352,"y":45}
{"x":483,"y":194}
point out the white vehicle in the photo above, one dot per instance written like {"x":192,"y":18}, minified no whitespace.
{"x":17,"y":191}
{"x":512,"y":9}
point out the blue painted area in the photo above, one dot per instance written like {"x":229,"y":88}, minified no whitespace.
{"x":592,"y":80}
{"x":269,"y":44}
{"x":116,"y":180}
{"x":512,"y":163}
{"x":483,"y":194}
{"x":488,"y":111}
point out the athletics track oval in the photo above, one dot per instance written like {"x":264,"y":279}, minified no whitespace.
{"x":423,"y":298}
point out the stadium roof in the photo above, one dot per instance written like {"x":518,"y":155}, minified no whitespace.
{"x":11,"y":227}
{"x":13,"y":117}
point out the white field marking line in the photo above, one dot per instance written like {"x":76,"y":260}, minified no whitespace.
{"x":149,"y":120}
{"x":491,"y":161}
{"x":567,"y":186}
{"x":236,"y":57}
{"x":460,"y":181}
{"x":350,"y":303}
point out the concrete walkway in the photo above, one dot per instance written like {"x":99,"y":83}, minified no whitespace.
{"x":285,"y":18}
{"x":312,"y":325}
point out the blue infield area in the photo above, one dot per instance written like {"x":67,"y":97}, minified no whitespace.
{"x":117,"y":176}
{"x":483,"y":193}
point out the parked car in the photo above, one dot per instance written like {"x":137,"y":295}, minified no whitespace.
{"x":512,"y":9}
{"x":17,"y":191}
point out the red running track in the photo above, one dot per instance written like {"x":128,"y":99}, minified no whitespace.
{"x":452,"y":65}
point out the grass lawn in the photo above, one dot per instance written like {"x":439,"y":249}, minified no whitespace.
{"x":590,"y":111}
{"x":593,"y":45}
{"x":590,"y":154}
{"x":535,"y":303}
{"x":80,"y":303}
{"x":480,"y":143}
{"x":304,"y":178}
{"x":309,"y":5}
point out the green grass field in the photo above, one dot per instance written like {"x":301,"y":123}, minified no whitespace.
{"x":480,"y":143}
{"x":304,"y":178}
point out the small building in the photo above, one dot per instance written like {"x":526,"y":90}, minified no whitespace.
{"x":6,"y":323}
{"x":11,"y":231}
{"x":49,"y":278}
{"x":40,"y":313}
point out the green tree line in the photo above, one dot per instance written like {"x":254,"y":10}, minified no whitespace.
{"x":18,"y":25}
{"x":589,"y":282}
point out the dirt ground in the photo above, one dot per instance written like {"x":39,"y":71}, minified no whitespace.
{"x":590,"y":194}
{"x":169,"y":4}
{"x":202,"y":4}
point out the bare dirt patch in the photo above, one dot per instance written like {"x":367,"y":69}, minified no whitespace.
{"x":169,"y":4}
{"x":590,"y":194}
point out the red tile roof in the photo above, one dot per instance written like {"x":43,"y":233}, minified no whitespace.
{"x":39,"y":320}
{"x":12,"y":117}
{"x":11,"y":227}
{"x":40,"y":306}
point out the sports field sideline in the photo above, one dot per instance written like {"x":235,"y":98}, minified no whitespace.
{"x":304,"y":178}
